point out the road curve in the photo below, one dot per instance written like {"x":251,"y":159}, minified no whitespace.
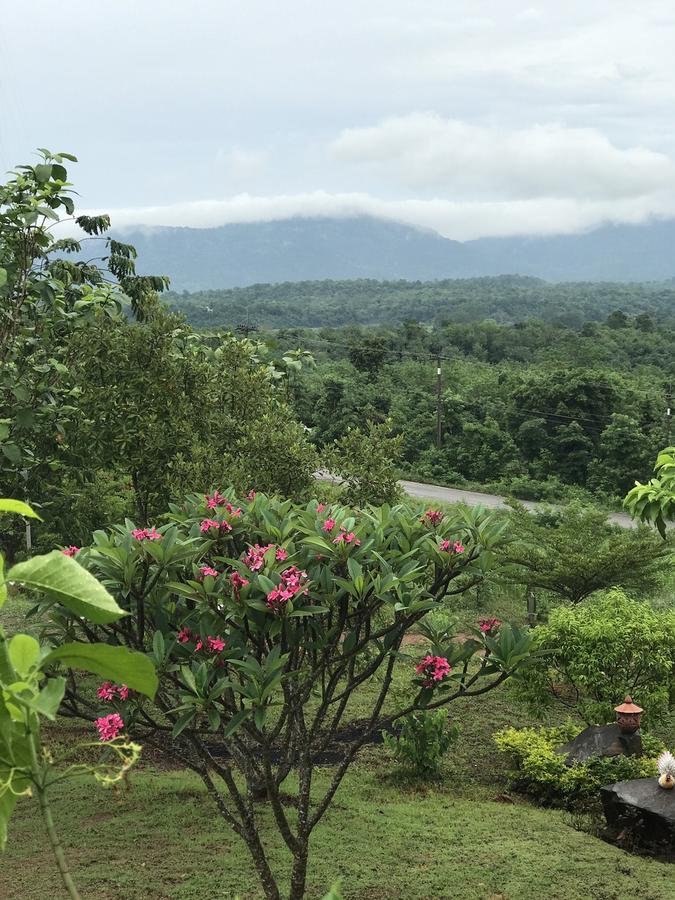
{"x":475,"y":498}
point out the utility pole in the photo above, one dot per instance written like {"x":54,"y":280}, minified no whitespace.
{"x":439,"y":386}
{"x":669,"y":412}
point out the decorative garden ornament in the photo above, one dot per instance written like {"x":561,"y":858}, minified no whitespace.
{"x":628,"y":716}
{"x":666,"y":766}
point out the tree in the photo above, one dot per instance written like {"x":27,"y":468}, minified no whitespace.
{"x":574,"y":552}
{"x":366,"y":463}
{"x":264,"y":618}
{"x":654,"y":502}
{"x":589,"y":657}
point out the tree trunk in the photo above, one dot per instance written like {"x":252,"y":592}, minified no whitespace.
{"x":299,"y":872}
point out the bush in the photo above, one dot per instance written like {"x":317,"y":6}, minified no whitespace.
{"x":424,"y":738}
{"x":537,"y":770}
{"x":366,"y":461}
{"x":593,"y":654}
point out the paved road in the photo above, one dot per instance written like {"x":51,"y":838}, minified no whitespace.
{"x":474,"y":498}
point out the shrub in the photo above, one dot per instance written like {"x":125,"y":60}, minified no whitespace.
{"x":263,"y":618}
{"x":366,"y":461}
{"x":593,"y":654}
{"x":537,"y":770}
{"x":424,"y":738}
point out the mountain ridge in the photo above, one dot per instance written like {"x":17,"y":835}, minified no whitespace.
{"x":318,"y":249}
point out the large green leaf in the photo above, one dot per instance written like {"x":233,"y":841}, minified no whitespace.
{"x":3,"y":586}
{"x":18,"y":507}
{"x":7,"y":804}
{"x":24,"y":651}
{"x":65,"y":580}
{"x":113,"y":663}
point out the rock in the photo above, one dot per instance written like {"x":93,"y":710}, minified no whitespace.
{"x":641,"y":814}
{"x":601,"y":740}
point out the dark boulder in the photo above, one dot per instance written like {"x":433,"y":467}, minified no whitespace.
{"x":641,"y":815}
{"x":601,"y":740}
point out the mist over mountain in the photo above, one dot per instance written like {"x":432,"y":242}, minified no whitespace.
{"x":302,"y":249}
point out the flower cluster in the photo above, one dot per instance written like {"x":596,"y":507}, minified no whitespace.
{"x":433,"y":669}
{"x":255,"y":557}
{"x":109,"y":691}
{"x":450,"y":547}
{"x":329,"y":525}
{"x":146,"y":534}
{"x":216,"y":499}
{"x":432,"y":517}
{"x":71,"y":551}
{"x":210,"y":645}
{"x":109,"y":726}
{"x":208,"y":570}
{"x":238,"y":582}
{"x":488,"y":625}
{"x":346,"y":537}
{"x":208,"y":524}
{"x":320,"y":508}
{"x":292,"y":582}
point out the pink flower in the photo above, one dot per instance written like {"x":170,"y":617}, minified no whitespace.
{"x":488,"y":625}
{"x":433,"y":669}
{"x":251,"y":496}
{"x":320,"y":508}
{"x":329,"y":525}
{"x":106,"y":691}
{"x":215,"y":501}
{"x":198,"y":645}
{"x":146,"y":534}
{"x":232,"y":511}
{"x":215,"y":644}
{"x":237,"y":581}
{"x":447,"y":547}
{"x":293,"y":581}
{"x":281,"y":554}
{"x":348,"y":538}
{"x":432,"y":517}
{"x":109,"y":726}
{"x":225,"y":526}
{"x":255,"y":557}
{"x":207,"y":570}
{"x":71,"y":551}
{"x":123,"y":692}
{"x":206,"y":524}
{"x":184,"y":635}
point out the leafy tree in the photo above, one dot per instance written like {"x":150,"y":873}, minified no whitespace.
{"x":31,"y":688}
{"x":654,"y":502}
{"x":589,"y":657}
{"x":264,"y":618}
{"x":574,"y":552}
{"x":366,"y":463}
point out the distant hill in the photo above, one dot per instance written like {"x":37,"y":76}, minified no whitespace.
{"x":303,"y":249}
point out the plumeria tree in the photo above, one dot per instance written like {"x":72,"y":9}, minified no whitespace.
{"x":263,"y":619}
{"x":32,"y":687}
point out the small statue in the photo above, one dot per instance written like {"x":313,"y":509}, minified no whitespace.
{"x":666,"y":766}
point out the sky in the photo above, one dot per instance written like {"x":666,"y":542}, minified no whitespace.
{"x":474,"y":118}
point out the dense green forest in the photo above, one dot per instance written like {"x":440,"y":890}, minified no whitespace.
{"x":530,"y":408}
{"x":506,"y":299}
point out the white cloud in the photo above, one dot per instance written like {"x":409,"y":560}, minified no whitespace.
{"x":242,"y":163}
{"x":459,"y":220}
{"x":425,"y":151}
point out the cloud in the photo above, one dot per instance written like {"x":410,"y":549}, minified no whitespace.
{"x":242,"y":163}
{"x":459,"y":220}
{"x":426,"y":151}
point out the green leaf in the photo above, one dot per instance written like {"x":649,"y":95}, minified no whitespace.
{"x":183,"y":721}
{"x":24,"y":652}
{"x":43,"y":172}
{"x":12,"y":453}
{"x":3,"y":277}
{"x":7,"y":804}
{"x":50,"y":697}
{"x":16,"y":506}
{"x":112,"y":663}
{"x":66,"y":581}
{"x":3,"y":586}
{"x":235,"y":722}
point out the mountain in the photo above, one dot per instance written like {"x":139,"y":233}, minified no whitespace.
{"x":306,"y":249}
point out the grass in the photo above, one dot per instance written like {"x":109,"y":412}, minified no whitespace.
{"x":162,"y":840}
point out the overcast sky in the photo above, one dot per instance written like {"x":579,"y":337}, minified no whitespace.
{"x":479,"y":117}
